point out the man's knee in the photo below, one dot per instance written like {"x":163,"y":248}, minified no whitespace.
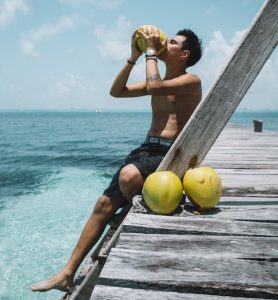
{"x":103,"y":205}
{"x":108,"y":206}
{"x":130,"y":175}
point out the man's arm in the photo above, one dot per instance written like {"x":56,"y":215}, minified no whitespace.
{"x":120,"y":88}
{"x":184,"y":84}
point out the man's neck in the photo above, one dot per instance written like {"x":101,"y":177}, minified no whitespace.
{"x":173,"y":71}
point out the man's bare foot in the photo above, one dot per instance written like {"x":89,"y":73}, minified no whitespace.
{"x":59,"y":282}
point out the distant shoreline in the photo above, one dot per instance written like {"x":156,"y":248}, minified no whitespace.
{"x":97,"y":110}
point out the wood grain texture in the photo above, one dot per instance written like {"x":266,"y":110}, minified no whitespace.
{"x":143,"y":223}
{"x":246,"y":213}
{"x":245,"y":201}
{"x":103,"y":292}
{"x":216,"y":108}
{"x":223,"y":276}
{"x":202,"y":246}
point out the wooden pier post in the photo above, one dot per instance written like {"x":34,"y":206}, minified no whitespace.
{"x":258,"y":125}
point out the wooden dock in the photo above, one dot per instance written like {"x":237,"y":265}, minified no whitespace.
{"x":231,"y":252}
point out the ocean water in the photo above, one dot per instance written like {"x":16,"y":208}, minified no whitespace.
{"x":53,"y":166}
{"x":245,"y":118}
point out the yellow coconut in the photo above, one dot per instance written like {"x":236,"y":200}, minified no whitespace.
{"x":203,"y":187}
{"x":141,"y":43}
{"x":162,"y":192}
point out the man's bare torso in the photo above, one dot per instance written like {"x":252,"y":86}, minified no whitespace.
{"x":171,"y":113}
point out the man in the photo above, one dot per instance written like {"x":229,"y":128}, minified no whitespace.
{"x":173,"y":101}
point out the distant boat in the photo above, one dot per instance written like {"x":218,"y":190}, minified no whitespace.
{"x":98,"y":110}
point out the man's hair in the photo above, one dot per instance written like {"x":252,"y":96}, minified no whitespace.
{"x":193,"y":44}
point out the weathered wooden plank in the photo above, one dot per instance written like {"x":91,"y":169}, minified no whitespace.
{"x":102,"y":292}
{"x":226,"y":138}
{"x":144,"y":223}
{"x":265,"y":188}
{"x":254,"y":201}
{"x":242,"y":159}
{"x":266,"y":180}
{"x":239,"y":213}
{"x":238,"y":150}
{"x":224,"y":276}
{"x":244,"y":152}
{"x":248,"y":136}
{"x":234,"y":148}
{"x":228,"y":143}
{"x":250,"y":172}
{"x":248,"y":139}
{"x":202,"y":246}
{"x":245,"y":166}
{"x":241,"y":190}
{"x":202,"y":130}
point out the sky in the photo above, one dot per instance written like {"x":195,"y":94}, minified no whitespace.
{"x":65,"y":54}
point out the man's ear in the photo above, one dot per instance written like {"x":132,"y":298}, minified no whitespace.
{"x":185,"y":55}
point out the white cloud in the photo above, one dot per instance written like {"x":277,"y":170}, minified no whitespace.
{"x":216,"y":55}
{"x":114,"y":44}
{"x":238,"y":37}
{"x":264,"y":91}
{"x":214,"y":58}
{"x":36,"y":36}
{"x":9,"y":9}
{"x":103,"y":4}
{"x":68,"y":85}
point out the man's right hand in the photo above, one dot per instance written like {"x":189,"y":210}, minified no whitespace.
{"x":135,"y":51}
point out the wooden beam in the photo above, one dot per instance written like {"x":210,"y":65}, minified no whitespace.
{"x":222,"y":99}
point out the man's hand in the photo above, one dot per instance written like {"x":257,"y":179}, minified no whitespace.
{"x":135,"y":52}
{"x":152,"y":38}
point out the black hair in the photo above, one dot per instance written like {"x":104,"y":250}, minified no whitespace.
{"x":193,"y":44}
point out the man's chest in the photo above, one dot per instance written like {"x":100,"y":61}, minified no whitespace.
{"x":164,"y":103}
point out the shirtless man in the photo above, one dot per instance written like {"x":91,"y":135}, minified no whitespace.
{"x":174,"y":99}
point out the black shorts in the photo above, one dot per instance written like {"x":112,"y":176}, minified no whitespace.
{"x":146,"y":159}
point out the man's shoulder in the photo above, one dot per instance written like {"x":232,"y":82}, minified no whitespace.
{"x":191,"y":76}
{"x":194,"y":82}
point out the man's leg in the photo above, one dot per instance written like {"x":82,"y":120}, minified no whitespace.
{"x":131,"y":183}
{"x":104,"y":209}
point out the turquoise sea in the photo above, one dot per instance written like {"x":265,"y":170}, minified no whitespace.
{"x":53,"y":166}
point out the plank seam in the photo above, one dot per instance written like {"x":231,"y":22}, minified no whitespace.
{"x":235,"y":290}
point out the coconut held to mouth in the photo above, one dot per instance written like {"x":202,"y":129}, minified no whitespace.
{"x":141,"y":43}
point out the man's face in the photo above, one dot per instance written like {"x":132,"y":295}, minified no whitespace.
{"x":173,"y":48}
